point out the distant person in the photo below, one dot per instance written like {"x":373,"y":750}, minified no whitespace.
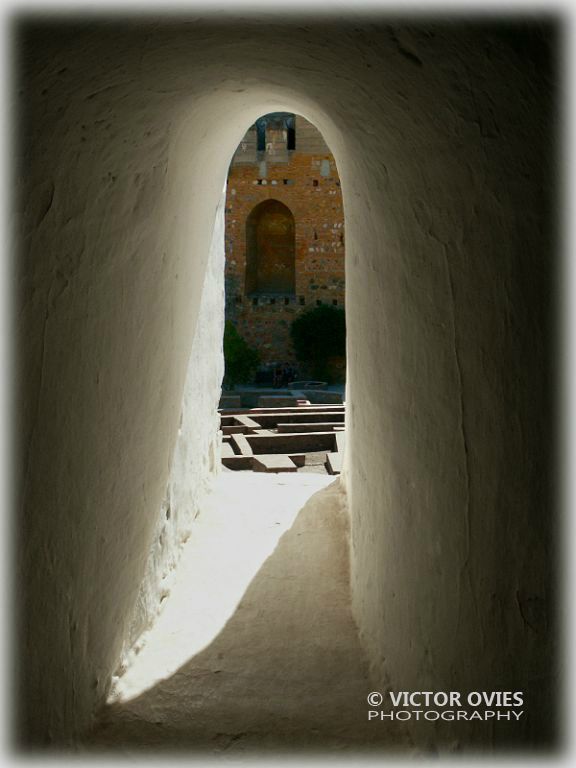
{"x":277,"y":377}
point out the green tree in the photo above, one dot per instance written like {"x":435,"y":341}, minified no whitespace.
{"x":318,"y":335}
{"x":240,"y":359}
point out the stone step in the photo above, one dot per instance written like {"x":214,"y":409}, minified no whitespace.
{"x":273,"y":463}
{"x":247,"y":422}
{"x":334,"y":463}
{"x":227,"y":450}
{"x":237,"y":462}
{"x":241,"y":445}
{"x":321,"y":407}
{"x":233,"y":429}
{"x":318,"y":426}
{"x":269,"y":420}
{"x":290,"y":442}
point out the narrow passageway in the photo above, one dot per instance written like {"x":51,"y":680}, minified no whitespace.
{"x":286,"y":671}
{"x":441,"y":246}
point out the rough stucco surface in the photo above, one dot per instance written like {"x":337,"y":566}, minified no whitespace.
{"x":196,"y":457}
{"x":442,"y":138}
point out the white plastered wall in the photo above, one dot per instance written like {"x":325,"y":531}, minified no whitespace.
{"x":196,"y":457}
{"x":126,"y":131}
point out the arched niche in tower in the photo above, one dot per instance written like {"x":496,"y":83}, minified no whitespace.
{"x":270,"y":250}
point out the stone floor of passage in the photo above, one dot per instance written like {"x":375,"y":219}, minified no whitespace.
{"x":255,"y":650}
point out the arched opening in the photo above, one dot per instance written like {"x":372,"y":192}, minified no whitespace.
{"x":270,"y":250}
{"x":284,"y":266}
{"x":278,"y":246}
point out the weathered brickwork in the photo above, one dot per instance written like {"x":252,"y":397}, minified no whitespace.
{"x":306,"y":181}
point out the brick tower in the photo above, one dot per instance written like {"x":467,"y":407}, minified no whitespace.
{"x":284,"y":232}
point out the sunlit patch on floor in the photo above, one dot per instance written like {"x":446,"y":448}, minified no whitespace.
{"x":236,"y":532}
